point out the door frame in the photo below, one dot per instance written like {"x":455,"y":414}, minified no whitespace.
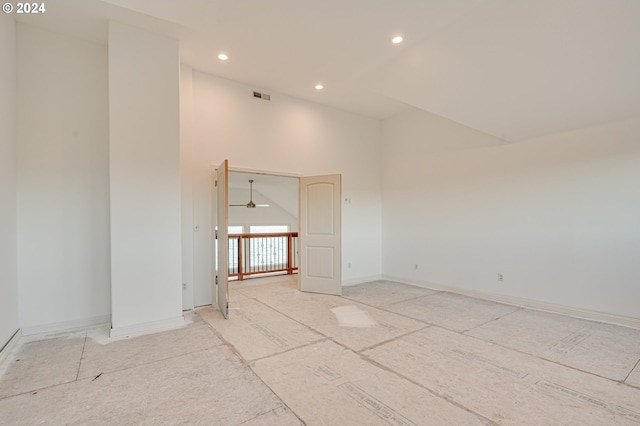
{"x":213,"y":199}
{"x":221,"y":256}
{"x":214,"y":218}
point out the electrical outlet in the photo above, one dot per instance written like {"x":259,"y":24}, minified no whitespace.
{"x":500,"y":277}
{"x":184,"y":286}
{"x":196,"y":228}
{"x":349,"y":265}
{"x":415,"y":266}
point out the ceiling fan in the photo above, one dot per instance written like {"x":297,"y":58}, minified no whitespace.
{"x":250,"y":204}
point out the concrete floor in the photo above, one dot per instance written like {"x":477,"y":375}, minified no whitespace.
{"x":383,"y":353}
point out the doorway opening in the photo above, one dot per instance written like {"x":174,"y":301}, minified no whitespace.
{"x":318,"y":202}
{"x":262,"y":225}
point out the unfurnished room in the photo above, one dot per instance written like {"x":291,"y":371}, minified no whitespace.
{"x":301,"y":212}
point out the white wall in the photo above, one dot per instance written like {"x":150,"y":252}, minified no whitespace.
{"x":558,"y":215}
{"x":186,"y":184}
{"x":9,"y":319}
{"x":144,"y":150}
{"x":63,"y":193}
{"x":272,"y":215}
{"x":292,"y":136}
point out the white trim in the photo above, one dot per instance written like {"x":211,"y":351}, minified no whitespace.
{"x":66,"y":325}
{"x":356,"y":281}
{"x":526,"y":303}
{"x":214,"y":166}
{"x":146,"y":327}
{"x":8,"y":347}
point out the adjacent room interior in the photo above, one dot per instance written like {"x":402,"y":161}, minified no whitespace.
{"x":263,"y":223}
{"x":489,"y":160}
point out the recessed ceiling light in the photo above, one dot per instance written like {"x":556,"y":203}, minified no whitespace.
{"x":319,"y":87}
{"x":223,"y":57}
{"x":397,"y":39}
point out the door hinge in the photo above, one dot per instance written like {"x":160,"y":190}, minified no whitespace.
{"x":216,"y":234}
{"x":216,"y":280}
{"x":216,"y":184}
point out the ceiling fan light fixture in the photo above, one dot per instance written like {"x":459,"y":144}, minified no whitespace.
{"x":250,"y":204}
{"x":397,"y":39}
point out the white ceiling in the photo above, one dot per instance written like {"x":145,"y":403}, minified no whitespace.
{"x":278,"y":190}
{"x":515,"y":69}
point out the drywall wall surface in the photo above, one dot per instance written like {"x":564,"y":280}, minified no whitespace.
{"x":63,"y":181}
{"x":9,"y":319}
{"x":272,"y":215}
{"x":556,"y":216}
{"x":292,"y":136}
{"x":186,"y":184}
{"x":144,"y":150}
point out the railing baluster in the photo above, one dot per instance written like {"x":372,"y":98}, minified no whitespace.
{"x":253,"y":254}
{"x":289,"y":257}
{"x":240,"y":275}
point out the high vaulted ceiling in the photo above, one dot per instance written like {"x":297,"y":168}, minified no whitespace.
{"x":279,"y":190}
{"x":515,"y":69}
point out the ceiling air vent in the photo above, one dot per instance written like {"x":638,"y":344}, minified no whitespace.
{"x":261,"y":96}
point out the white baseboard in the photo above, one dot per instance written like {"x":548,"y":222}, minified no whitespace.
{"x":526,"y":303}
{"x":6,"y":349}
{"x":147,"y":327}
{"x":356,"y":281}
{"x":66,"y":325}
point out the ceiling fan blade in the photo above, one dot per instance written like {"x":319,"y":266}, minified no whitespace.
{"x":237,"y":205}
{"x":263,"y":205}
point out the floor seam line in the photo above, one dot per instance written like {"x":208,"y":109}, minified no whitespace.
{"x":368,"y":348}
{"x":382,"y":308}
{"x":247,"y":364}
{"x":276,"y":395}
{"x":84,"y":344}
{"x":535,"y":356}
{"x":326,"y":337}
{"x":412,"y":298}
{"x":518,"y":308}
{"x":155,"y":361}
{"x":388,"y":304}
{"x":631,"y":371}
{"x":36,"y":390}
{"x":323,"y":339}
{"x":295,"y":320}
{"x":225,"y":342}
{"x":431,"y":391}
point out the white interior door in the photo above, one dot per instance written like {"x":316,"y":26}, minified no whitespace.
{"x":320,"y":234}
{"x":222,"y":216}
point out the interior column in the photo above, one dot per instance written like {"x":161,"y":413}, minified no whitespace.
{"x":144,"y":166}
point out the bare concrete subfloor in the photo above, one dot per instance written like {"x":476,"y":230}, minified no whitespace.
{"x":383,"y":353}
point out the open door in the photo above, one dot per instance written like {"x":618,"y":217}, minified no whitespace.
{"x":320,"y":234}
{"x":222,"y":215}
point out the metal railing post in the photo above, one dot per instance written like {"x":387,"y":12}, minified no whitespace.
{"x":290,"y":254}
{"x":240,"y":250}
